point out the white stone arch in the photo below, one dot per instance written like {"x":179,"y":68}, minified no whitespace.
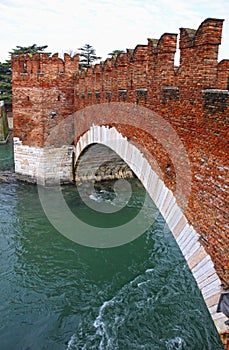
{"x":199,"y":262}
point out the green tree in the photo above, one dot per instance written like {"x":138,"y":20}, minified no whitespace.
{"x":6,"y":70}
{"x":28,"y":49}
{"x":87,"y":56}
{"x":115,"y":53}
{"x":6,"y":82}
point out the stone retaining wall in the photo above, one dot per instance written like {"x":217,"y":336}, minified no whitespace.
{"x":46,"y":166}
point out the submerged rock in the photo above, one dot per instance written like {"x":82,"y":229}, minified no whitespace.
{"x":8,"y":177}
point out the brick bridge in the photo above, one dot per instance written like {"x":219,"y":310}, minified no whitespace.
{"x":169,"y":124}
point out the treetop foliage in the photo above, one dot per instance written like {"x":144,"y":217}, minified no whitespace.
{"x":115,"y":53}
{"x":6,"y":70}
{"x":87,"y":56}
{"x":28,"y":49}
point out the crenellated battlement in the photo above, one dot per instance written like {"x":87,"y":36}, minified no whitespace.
{"x":136,"y":68}
{"x":208,"y":33}
{"x":42,"y":63}
{"x":151,"y":68}
{"x":138,"y":55}
{"x":145,"y":75}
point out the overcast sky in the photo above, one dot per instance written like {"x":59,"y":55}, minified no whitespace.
{"x":105,"y":24}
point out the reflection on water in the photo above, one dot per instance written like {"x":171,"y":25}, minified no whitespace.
{"x":56,"y":294}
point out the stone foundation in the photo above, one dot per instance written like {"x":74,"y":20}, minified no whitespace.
{"x":45,"y":166}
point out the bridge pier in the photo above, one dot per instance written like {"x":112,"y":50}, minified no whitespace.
{"x":45,"y":166}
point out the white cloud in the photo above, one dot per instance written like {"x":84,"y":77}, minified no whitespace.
{"x":105,"y":24}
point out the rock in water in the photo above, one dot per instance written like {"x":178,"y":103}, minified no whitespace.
{"x":8,"y":177}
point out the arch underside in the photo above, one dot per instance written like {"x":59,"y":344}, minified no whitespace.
{"x":99,"y":162}
{"x":199,"y":262}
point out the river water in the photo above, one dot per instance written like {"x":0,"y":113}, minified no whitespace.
{"x":59,"y":295}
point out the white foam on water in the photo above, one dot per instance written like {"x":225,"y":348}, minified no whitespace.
{"x":149,"y":270}
{"x":105,"y":336}
{"x":71,"y":342}
{"x":106,"y":341}
{"x":96,"y":198}
{"x":98,"y":323}
{"x":175,"y":344}
{"x":102,"y":196}
{"x":140,"y":284}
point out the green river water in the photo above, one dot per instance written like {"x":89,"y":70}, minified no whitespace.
{"x":58,"y":295}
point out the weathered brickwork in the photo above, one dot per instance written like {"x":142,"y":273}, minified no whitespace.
{"x":225,"y":340}
{"x":42,"y":95}
{"x":193,"y":98}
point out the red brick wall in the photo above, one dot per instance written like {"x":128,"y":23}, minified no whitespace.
{"x":200,"y":118}
{"x":225,"y":339}
{"x":42,"y":94}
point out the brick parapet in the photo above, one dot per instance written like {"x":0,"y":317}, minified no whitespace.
{"x":42,"y":90}
{"x":223,"y":75}
{"x":41,"y":63}
{"x":208,"y":33}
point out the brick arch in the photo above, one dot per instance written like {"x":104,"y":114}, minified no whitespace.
{"x":198,"y":260}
